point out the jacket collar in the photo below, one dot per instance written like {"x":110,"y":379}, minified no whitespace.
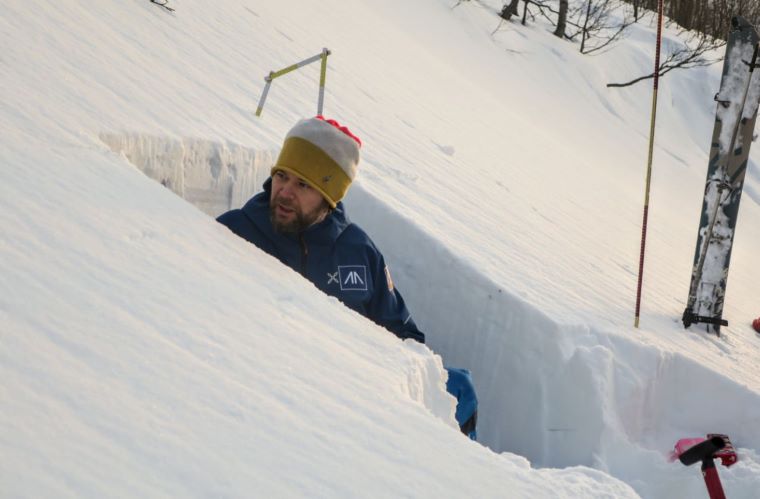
{"x":324,"y":232}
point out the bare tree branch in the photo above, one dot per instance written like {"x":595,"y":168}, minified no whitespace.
{"x":683,"y":58}
{"x":594,"y":20}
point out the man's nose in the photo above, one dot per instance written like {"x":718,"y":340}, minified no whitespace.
{"x":288,"y":190}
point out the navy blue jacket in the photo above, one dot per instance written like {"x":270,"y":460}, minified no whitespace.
{"x":334,"y":254}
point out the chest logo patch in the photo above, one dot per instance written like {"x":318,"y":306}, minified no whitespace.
{"x":353,"y":277}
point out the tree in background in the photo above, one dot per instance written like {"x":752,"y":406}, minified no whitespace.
{"x":597,"y":25}
{"x":636,"y":5}
{"x":561,"y":19}
{"x":711,"y":17}
{"x":591,"y":19}
{"x":509,"y":10}
{"x":705,"y":22}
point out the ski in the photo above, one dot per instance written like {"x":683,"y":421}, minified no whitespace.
{"x":737,"y":104}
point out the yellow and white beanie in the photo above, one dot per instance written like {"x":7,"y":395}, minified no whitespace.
{"x":323,"y":153}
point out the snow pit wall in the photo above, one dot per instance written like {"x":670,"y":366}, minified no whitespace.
{"x":561,"y":395}
{"x":213,"y":176}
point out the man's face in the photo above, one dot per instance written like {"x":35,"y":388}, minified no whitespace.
{"x":294,"y":205}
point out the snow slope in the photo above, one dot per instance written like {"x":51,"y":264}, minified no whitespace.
{"x":147,"y":351}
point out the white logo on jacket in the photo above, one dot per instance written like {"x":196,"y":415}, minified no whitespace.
{"x":352,"y":277}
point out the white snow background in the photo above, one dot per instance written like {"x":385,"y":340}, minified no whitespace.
{"x":146,"y":351}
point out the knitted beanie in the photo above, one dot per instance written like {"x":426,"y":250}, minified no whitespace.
{"x":324,"y":154}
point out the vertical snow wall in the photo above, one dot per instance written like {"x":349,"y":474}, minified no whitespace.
{"x":561,"y":395}
{"x":210,"y":175}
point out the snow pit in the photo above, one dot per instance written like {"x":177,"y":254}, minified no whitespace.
{"x":559,"y":394}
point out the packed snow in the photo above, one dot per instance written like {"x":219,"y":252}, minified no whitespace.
{"x":146,"y":351}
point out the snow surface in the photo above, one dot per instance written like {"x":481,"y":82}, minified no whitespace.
{"x":147,"y":351}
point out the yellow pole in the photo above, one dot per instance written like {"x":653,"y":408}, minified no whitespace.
{"x":263,"y":99}
{"x":276,"y":74}
{"x":322,"y":78}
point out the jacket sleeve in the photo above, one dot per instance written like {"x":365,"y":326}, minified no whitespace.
{"x":387,"y":307}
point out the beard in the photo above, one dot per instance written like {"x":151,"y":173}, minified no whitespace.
{"x":299,"y":222}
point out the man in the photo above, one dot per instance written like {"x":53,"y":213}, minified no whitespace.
{"x":299,"y":219}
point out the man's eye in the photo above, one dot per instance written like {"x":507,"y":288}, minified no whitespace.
{"x":304,"y":185}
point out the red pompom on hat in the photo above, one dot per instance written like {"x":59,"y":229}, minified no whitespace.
{"x":756,"y":324}
{"x":343,"y":129}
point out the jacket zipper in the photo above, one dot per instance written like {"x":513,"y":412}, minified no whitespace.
{"x":304,"y":254}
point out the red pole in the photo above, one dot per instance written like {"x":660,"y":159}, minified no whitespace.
{"x":649,"y":161}
{"x":712,"y":480}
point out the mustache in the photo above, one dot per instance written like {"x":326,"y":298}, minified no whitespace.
{"x":283,"y":202}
